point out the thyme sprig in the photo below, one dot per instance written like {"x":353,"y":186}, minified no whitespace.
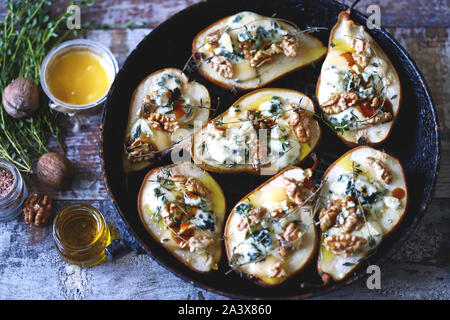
{"x":356,"y":171}
{"x":312,"y":200}
{"x":189,"y":67}
{"x":234,"y":260}
{"x":345,"y":125}
{"x":274,"y":116}
{"x":186,"y":106}
{"x":165,"y":180}
{"x":27,"y":33}
{"x":296,"y":27}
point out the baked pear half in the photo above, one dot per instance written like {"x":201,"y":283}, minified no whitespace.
{"x":358,"y":91}
{"x":247,"y":51}
{"x":162,"y":113}
{"x":365,"y":200}
{"x":263,"y":132}
{"x":270,"y":234}
{"x":183,"y":208}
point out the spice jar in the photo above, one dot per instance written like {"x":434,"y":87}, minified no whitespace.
{"x":13,"y":191}
{"x":81,"y":235}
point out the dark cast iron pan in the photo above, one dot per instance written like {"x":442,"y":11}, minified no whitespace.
{"x":414,"y":139}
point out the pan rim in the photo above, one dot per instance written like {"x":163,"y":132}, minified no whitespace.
{"x":421,"y":210}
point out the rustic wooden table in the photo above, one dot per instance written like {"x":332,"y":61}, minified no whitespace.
{"x":31,"y":269}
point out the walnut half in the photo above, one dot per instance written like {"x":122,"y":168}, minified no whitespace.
{"x":380,"y":117}
{"x":295,"y":190}
{"x":222,"y":66}
{"x":277,"y":270}
{"x":214,"y":36}
{"x":291,"y":237}
{"x":288,"y":238}
{"x":175,"y":213}
{"x":339,"y":102}
{"x":162,"y":122}
{"x":328,"y":215}
{"x":332,"y":215}
{"x":258,"y":121}
{"x":300,"y":121}
{"x":200,"y":243}
{"x":140,"y":150}
{"x":381,"y":169}
{"x":352,"y":221}
{"x":253,"y":217}
{"x":344,"y":244}
{"x":362,"y":52}
{"x":289,"y":47}
{"x":263,"y":56}
{"x":191,"y":185}
{"x":37,"y":210}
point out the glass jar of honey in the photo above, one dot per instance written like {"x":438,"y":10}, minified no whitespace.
{"x":81,"y":235}
{"x":76,"y":75}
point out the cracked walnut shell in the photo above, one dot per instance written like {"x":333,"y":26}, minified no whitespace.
{"x":37,"y":210}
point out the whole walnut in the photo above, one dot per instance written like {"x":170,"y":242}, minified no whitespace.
{"x":55,"y":170}
{"x":37,"y":210}
{"x":21,"y":98}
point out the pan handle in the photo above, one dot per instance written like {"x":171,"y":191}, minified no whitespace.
{"x":117,"y":249}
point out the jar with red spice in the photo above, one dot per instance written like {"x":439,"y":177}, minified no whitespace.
{"x":13,"y":191}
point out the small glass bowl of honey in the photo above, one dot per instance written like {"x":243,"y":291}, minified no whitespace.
{"x":76,"y":75}
{"x":81,"y":235}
